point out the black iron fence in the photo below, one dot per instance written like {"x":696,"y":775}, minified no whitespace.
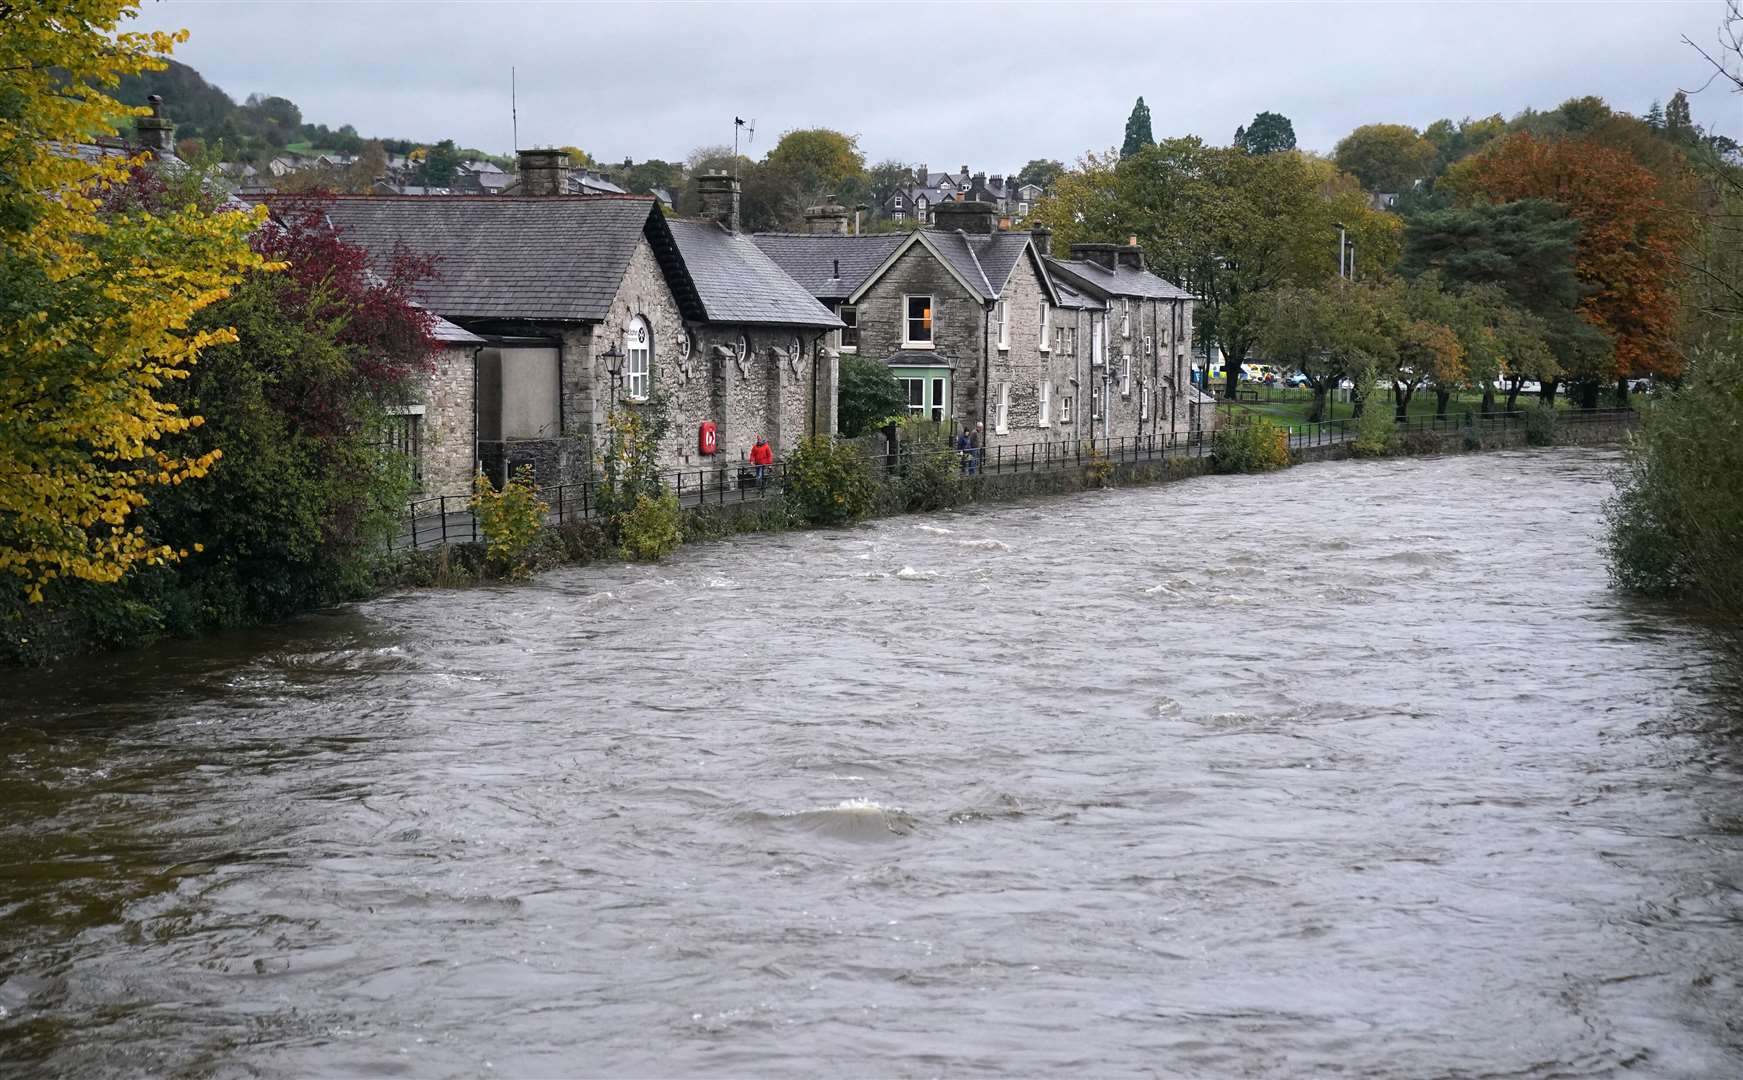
{"x":448,"y":519}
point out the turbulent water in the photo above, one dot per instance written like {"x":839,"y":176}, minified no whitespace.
{"x":1356,"y":769}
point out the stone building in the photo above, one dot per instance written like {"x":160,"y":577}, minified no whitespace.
{"x":562,"y":289}
{"x":1139,"y":381}
{"x":962,"y":313}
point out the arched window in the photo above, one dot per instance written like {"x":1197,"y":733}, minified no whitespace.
{"x":638,"y":362}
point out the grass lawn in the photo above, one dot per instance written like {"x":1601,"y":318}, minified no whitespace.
{"x":1291,"y":406}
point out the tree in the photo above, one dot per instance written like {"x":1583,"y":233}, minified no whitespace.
{"x":1677,"y":122}
{"x":98,"y":303}
{"x":1427,"y":349}
{"x":815,"y":162}
{"x":1227,"y":225}
{"x":1385,"y":157}
{"x":1329,"y":333}
{"x":1138,"y":135}
{"x":441,"y":162}
{"x":1042,"y":172}
{"x":869,"y":395}
{"x":1267,"y":134}
{"x":1627,"y":252}
{"x":307,"y":491}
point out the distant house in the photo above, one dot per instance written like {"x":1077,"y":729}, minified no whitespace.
{"x":559,"y":288}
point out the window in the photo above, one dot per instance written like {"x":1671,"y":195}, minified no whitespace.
{"x":915,"y":388}
{"x":1143,"y":401}
{"x":638,"y":365}
{"x":1044,"y":407}
{"x":1098,"y":406}
{"x":1065,"y":410}
{"x":1125,"y":319}
{"x":1004,"y":324}
{"x":404,"y":435}
{"x":1046,"y":326}
{"x":1002,"y":420}
{"x":850,"y":333}
{"x":917,"y":327}
{"x":916,"y":391}
{"x":1095,"y":355}
{"x":1126,"y":376}
{"x":898,"y":202}
{"x":1022,"y":208}
{"x":898,"y":216}
{"x":937,"y":400}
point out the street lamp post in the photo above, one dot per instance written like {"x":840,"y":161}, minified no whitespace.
{"x":1339,"y":226}
{"x":614,"y":368}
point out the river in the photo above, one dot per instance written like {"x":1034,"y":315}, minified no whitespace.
{"x":1358,"y":768}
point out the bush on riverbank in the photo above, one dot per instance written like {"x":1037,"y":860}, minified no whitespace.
{"x":651,"y":529}
{"x":1676,"y":521}
{"x":1248,"y":444}
{"x":510,"y":520}
{"x":930,"y":470}
{"x":1376,"y":432}
{"x":830,"y":482}
{"x":1542,"y":427}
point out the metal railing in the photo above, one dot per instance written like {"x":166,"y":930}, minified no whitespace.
{"x":448,"y":519}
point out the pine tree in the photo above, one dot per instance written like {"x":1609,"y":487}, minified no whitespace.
{"x":1655,"y":116}
{"x":1677,"y":122}
{"x":1240,"y":138}
{"x":1269,"y":133}
{"x":1137,"y":130}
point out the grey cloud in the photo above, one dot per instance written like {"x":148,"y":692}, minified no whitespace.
{"x":989,"y":85}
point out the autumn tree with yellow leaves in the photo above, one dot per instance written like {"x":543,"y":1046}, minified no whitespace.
{"x":98,"y":302}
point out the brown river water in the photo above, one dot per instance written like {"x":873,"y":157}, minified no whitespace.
{"x":1356,"y":769}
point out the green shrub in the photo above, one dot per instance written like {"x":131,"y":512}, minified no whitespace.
{"x":830,"y":482}
{"x":1676,"y":521}
{"x":509,"y":520}
{"x":1246,"y":444}
{"x":1098,"y":470}
{"x":930,"y":469}
{"x":651,"y":529}
{"x":1542,"y":426}
{"x":1376,"y":432}
{"x":869,"y":394}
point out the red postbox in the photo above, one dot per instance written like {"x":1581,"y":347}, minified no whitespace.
{"x":707,"y":440}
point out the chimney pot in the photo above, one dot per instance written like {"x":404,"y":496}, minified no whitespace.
{"x":1042,"y":237}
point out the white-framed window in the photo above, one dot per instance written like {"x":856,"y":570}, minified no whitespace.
{"x":1126,"y":375}
{"x":1046,"y":326}
{"x":1095,"y":343}
{"x":1022,"y":208}
{"x":1002,"y":420}
{"x":1143,"y":401}
{"x":1097,"y":403}
{"x":1004,"y":314}
{"x":917,"y":322}
{"x":920,"y":403}
{"x":850,"y":332}
{"x":1065,"y":409}
{"x":638,"y":359}
{"x":1125,"y":318}
{"x":742,"y":347}
{"x":898,"y":202}
{"x":1044,"y":405}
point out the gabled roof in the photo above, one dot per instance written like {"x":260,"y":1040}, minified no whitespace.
{"x":981,"y":262}
{"x":812,"y":259}
{"x":1074,"y":298}
{"x":507,"y":257}
{"x":1121,"y":281}
{"x":735,"y":282}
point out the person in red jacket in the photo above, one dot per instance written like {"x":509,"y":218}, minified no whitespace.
{"x":762,"y":455}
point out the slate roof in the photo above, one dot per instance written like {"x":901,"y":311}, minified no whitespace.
{"x":736,"y":282}
{"x":1070,"y":297}
{"x":810,"y":259}
{"x":985,"y":260}
{"x":449,"y":334}
{"x":506,"y":257}
{"x":919,"y":358}
{"x":1122,"y":281}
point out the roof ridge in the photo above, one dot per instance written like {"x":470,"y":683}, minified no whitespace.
{"x":979,"y":269}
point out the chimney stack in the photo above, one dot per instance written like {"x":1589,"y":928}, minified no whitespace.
{"x":970,"y":217}
{"x":829,"y":218}
{"x":156,"y":132}
{"x":922,"y":176}
{"x":543,"y":172}
{"x":1132,"y":255}
{"x":1101,"y":254}
{"x":1042,"y":237}
{"x":719,"y":193}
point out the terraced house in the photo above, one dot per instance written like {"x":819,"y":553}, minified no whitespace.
{"x":564,"y":305}
{"x":981,"y":326}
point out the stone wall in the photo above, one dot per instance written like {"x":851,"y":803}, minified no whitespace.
{"x":448,"y":424}
{"x":959,"y":325}
{"x":1024,"y":366}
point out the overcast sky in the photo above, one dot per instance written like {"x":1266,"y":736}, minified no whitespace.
{"x":988,"y":85}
